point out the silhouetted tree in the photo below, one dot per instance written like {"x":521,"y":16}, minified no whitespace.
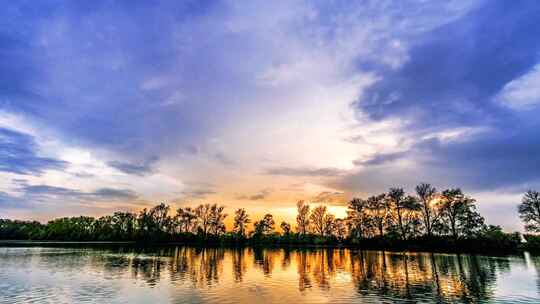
{"x":321,"y":221}
{"x":302,"y":219}
{"x":204,"y":218}
{"x":529,"y":211}
{"x":358,"y":218}
{"x":266,"y":225}
{"x":340,"y":229}
{"x":286,"y":228}
{"x":427,"y":194}
{"x":124,"y":225}
{"x":217,"y":217}
{"x":411,"y":216}
{"x":458,"y":213}
{"x":379,"y":210}
{"x":396,"y":196}
{"x":186,"y":220}
{"x":159,"y":218}
{"x":241,"y":219}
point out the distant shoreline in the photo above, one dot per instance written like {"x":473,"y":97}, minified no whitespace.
{"x":138,"y":244}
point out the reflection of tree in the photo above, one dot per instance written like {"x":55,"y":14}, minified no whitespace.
{"x":422,"y":277}
{"x":202,"y":266}
{"x":304,"y":269}
{"x":264,"y":259}
{"x":239,"y":264}
{"x":147,"y":269}
{"x":286,"y":261}
{"x":417,"y":275}
{"x":322,"y":267}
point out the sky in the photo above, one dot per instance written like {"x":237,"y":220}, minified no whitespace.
{"x":120,"y":105}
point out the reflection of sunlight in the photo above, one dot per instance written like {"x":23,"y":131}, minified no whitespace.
{"x":247,"y":275}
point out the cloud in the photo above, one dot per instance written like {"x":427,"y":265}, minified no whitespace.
{"x":314,"y":172}
{"x":260,"y":195}
{"x":522,"y":93}
{"x":196,"y":194}
{"x":330,"y":198}
{"x":139,"y":169}
{"x":362,"y":95}
{"x":19,"y":154}
{"x":47,"y":192}
{"x":453,"y":72}
{"x":380,"y":158}
{"x":455,"y":77}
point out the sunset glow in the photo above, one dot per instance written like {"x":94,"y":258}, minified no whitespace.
{"x":257,"y":105}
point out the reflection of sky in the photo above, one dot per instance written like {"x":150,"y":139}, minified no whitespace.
{"x":516,"y":282}
{"x":107,"y":106}
{"x":188,"y":275}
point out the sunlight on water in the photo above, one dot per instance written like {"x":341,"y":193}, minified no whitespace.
{"x":191,"y":275}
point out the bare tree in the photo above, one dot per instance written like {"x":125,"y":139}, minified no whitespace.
{"x":340,"y":230}
{"x":396,"y":197}
{"x":358,"y":219}
{"x":529,"y":211}
{"x":302,"y":219}
{"x":217,"y":217}
{"x":185,"y":219}
{"x":427,"y":194}
{"x":241,"y":219}
{"x":321,"y":221}
{"x":458,"y":213}
{"x":378,"y":209}
{"x":204,"y":217}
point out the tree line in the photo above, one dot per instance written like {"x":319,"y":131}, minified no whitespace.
{"x":427,"y":219}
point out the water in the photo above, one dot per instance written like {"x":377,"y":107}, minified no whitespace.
{"x":190,"y":275}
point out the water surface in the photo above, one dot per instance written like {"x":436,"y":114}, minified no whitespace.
{"x":193,"y":275}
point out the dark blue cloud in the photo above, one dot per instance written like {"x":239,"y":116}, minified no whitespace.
{"x":110,"y":193}
{"x":454,"y":71}
{"x":78,"y":67}
{"x":45,"y":192}
{"x":18,"y":154}
{"x":450,"y":80}
{"x":140,"y":169}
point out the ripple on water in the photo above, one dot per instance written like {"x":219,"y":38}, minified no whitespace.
{"x":194,"y":275}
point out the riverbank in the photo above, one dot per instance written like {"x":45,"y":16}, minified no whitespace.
{"x":396,"y":247}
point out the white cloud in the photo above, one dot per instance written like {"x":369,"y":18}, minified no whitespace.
{"x":522,"y":93}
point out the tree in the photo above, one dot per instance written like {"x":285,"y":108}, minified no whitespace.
{"x":186,"y":219}
{"x":529,"y":211}
{"x":340,"y":229}
{"x":241,"y":219}
{"x":204,"y":217}
{"x":266,"y":225}
{"x":217,"y":218}
{"x":358,"y":219}
{"x":397,"y":199}
{"x":458,"y":214}
{"x":378,"y":209}
{"x":286,"y":228}
{"x":319,"y":221}
{"x":329,"y":225}
{"x":427,"y":194}
{"x":411,"y":216}
{"x":124,"y":225}
{"x":159,"y":218}
{"x":302,"y":219}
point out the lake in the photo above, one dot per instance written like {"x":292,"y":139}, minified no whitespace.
{"x":217,"y":275}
